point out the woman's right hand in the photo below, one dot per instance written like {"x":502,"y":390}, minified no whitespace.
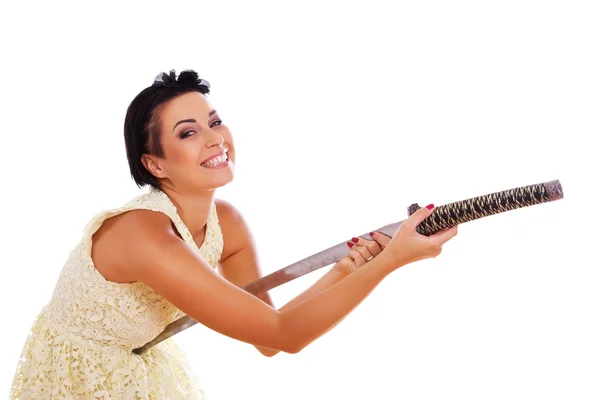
{"x":407,"y":245}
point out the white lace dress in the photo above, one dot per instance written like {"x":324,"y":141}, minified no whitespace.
{"x":80,"y":346}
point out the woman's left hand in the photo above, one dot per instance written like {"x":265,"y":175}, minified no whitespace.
{"x":361,"y":251}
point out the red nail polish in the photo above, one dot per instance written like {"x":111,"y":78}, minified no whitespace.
{"x":350,"y":244}
{"x":429,"y":207}
{"x":371,"y":234}
{"x":355,"y":240}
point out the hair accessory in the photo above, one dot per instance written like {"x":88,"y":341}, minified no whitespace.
{"x":187,"y":78}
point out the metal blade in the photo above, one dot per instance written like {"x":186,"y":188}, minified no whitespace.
{"x":309,"y":264}
{"x":299,"y":268}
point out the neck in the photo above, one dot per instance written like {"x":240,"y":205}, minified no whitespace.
{"x":194,"y":209}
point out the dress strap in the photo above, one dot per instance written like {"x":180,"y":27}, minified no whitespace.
{"x":212,"y":247}
{"x":154,"y":200}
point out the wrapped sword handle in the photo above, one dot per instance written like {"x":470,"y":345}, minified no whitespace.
{"x":448,"y":215}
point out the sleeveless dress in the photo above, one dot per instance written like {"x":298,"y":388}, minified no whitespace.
{"x":80,"y":345}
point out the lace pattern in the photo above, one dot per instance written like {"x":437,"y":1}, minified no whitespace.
{"x":79,"y":347}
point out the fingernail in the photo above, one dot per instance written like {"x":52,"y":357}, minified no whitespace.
{"x":430,"y":206}
{"x":371,"y":234}
{"x":355,"y":239}
{"x":350,"y":244}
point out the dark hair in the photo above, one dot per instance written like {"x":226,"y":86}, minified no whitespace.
{"x":142,"y":127}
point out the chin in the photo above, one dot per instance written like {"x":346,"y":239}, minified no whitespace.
{"x":223,"y":183}
{"x":223,"y":178}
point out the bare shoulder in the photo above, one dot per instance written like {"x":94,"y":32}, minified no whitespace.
{"x":228,"y":213}
{"x":123,"y":241}
{"x":235,"y":230}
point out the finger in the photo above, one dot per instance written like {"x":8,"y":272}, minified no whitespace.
{"x":346,"y":264}
{"x":443,"y":236}
{"x":380,"y":238}
{"x":359,"y":260}
{"x":418,"y":216}
{"x":363,"y":251}
{"x":373,"y":247}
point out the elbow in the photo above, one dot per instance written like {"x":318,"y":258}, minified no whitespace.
{"x":293,"y":345}
{"x":295,"y":350}
{"x":292,"y":349}
{"x":267,"y":352}
{"x":286,"y":348}
{"x":290,"y":336}
{"x":288,"y":341}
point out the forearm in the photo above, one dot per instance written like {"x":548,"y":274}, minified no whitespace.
{"x":333,"y":276}
{"x":305,"y":322}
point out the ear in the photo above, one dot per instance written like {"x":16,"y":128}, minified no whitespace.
{"x":153,"y":166}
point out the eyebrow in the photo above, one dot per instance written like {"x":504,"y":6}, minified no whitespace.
{"x":210,"y":114}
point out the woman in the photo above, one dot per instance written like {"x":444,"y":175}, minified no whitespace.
{"x":178,"y":250}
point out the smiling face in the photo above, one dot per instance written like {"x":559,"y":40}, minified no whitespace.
{"x":198,"y":152}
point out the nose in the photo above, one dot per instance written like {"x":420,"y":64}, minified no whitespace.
{"x":214,"y":139}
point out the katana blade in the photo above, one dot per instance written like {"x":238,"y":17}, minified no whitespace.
{"x":296,"y":270}
{"x":309,"y":264}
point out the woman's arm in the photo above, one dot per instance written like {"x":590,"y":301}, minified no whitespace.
{"x":240,"y":262}
{"x":149,"y":251}
{"x":331,"y":277}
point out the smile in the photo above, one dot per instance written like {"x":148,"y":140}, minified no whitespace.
{"x":217,"y":161}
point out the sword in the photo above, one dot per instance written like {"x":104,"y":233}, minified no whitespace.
{"x":443,"y":217}
{"x":296,"y":270}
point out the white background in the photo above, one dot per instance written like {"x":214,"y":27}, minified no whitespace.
{"x":344,"y":113}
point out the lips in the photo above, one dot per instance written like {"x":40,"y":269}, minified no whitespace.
{"x":216,"y":160}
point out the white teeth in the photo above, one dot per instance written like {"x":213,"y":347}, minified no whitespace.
{"x":215,"y":162}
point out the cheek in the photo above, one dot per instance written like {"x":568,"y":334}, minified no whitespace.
{"x":229,"y":143}
{"x":182,"y":156}
{"x":227,"y":136}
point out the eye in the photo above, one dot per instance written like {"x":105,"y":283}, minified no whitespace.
{"x":187,"y":133}
{"x":216,"y":122}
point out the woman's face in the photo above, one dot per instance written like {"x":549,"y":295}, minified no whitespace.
{"x":198,"y":147}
